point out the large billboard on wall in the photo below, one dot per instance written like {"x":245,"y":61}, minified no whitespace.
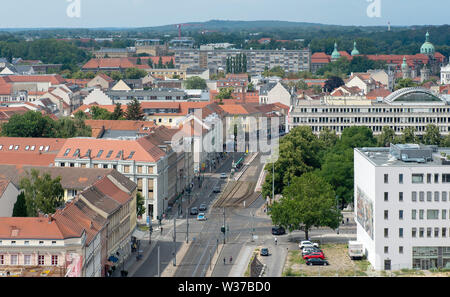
{"x":364,"y":212}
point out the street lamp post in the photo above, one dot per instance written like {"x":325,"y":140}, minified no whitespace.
{"x":174,"y":241}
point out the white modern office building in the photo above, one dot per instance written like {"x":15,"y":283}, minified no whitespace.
{"x":402,"y":206}
{"x":408,"y":107}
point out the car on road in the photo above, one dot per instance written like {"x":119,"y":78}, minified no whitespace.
{"x":223,"y":175}
{"x":314,"y":255}
{"x":202,"y":207}
{"x":317,"y":261}
{"x":278,"y":230}
{"x":307,"y":243}
{"x":201,"y":217}
{"x":194,"y":211}
{"x":216,"y":189}
{"x":264,"y":252}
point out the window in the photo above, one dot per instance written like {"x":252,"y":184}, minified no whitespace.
{"x":446,"y":178}
{"x":413,"y":232}
{"x":100,"y":152}
{"x":444,"y":232}
{"x":400,"y":250}
{"x":54,"y":260}
{"x":105,"y":165}
{"x":53,"y":241}
{"x":413,"y":214}
{"x":400,"y":196}
{"x":421,"y":232}
{"x":386,"y":214}
{"x":109,"y":154}
{"x":429,"y":194}
{"x":436,"y":196}
{"x":14,"y":259}
{"x":77,"y":152}
{"x":26,"y":242}
{"x":421,"y":196}
{"x":41,"y":260}
{"x":432,"y":214}
{"x":386,"y":249}
{"x":436,"y":232}
{"x":400,"y":232}
{"x":27,"y":259}
{"x":41,"y":242}
{"x":428,"y":178}
{"x":386,"y":232}
{"x":67,"y":152}
{"x":444,"y":214}
{"x":2,"y":259}
{"x":414,"y":196}
{"x":436,"y":178}
{"x":417,"y":178}
{"x":386,"y":196}
{"x":131,"y":155}
{"x":119,"y":155}
{"x":421,"y":213}
{"x":428,"y":232}
{"x":386,"y":178}
{"x":13,"y":242}
{"x":400,"y":178}
{"x":400,"y":214}
{"x":444,"y":196}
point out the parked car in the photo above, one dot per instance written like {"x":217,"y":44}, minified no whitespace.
{"x":309,"y":250}
{"x":216,"y":189}
{"x":194,"y":211}
{"x":316,"y":261}
{"x":201,"y":217}
{"x":278,"y":230}
{"x":223,"y":175}
{"x":264,"y":252}
{"x":202,"y":207}
{"x":314,"y":255}
{"x":307,"y":243}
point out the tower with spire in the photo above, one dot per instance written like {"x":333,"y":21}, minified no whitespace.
{"x":335,"y":55}
{"x":355,"y":51}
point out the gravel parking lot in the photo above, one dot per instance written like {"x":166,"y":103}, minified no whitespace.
{"x":341,"y":265}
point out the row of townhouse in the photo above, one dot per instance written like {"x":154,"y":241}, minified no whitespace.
{"x":87,"y":237}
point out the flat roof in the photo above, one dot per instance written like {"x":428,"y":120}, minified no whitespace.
{"x":381,"y":156}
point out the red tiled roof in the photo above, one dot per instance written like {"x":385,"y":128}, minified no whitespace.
{"x":31,"y":228}
{"x":381,"y":92}
{"x":109,"y":63}
{"x":53,"y":79}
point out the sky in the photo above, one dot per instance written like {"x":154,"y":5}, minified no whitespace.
{"x":148,"y":13}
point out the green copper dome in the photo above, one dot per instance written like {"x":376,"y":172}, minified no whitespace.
{"x":335,"y":54}
{"x":404,"y":65}
{"x":427,"y":47}
{"x":355,"y":52}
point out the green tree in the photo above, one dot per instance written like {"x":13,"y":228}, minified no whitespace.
{"x":118,"y":113}
{"x":432,"y":135}
{"x":134,"y":111}
{"x":309,"y":201}
{"x":170,"y":64}
{"x":328,"y":137}
{"x":150,"y":63}
{"x":20,"y":208}
{"x":160,"y":64}
{"x":300,"y":151}
{"x":333,"y":83}
{"x":99,"y":113}
{"x":225,"y":93}
{"x":386,"y":137}
{"x":42,"y":193}
{"x":66,"y":128}
{"x":140,"y":201}
{"x":409,"y":135}
{"x":30,"y":124}
{"x":134,"y":73}
{"x":195,"y":83}
{"x":404,"y":83}
{"x":116,"y":75}
{"x":337,"y":169}
{"x":357,"y":136}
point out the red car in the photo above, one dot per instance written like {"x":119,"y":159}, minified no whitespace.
{"x":319,"y":255}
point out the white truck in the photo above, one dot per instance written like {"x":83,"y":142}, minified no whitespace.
{"x":355,"y":250}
